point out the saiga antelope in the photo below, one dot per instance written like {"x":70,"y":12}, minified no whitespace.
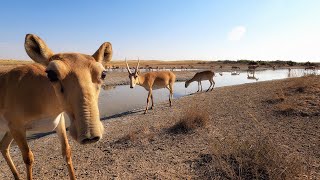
{"x":235,"y":67}
{"x":201,"y":76}
{"x":235,"y":70}
{"x":252,"y":67}
{"x":310,"y":68}
{"x":152,"y":81}
{"x":252,"y":77}
{"x":36,"y":97}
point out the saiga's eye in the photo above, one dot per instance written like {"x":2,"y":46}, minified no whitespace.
{"x":103,"y":74}
{"x":53,"y":77}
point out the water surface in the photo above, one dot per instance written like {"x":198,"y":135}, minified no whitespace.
{"x":122,"y":98}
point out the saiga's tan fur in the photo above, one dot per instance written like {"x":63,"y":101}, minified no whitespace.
{"x":151,"y":81}
{"x":29,"y":101}
{"x":202,"y":76}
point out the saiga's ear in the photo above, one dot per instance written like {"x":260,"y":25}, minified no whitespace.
{"x":104,"y":53}
{"x":37,"y":49}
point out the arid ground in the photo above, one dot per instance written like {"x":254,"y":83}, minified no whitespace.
{"x":265,"y":130}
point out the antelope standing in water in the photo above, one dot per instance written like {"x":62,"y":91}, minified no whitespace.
{"x":152,"y":81}
{"x":201,"y":76}
{"x":36,"y":97}
{"x":252,"y":69}
{"x":235,"y":70}
{"x":252,"y":77}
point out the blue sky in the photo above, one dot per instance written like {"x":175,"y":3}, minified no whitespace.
{"x":167,"y":29}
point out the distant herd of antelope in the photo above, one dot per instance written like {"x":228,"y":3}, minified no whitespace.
{"x":39,"y":96}
{"x":148,"y":68}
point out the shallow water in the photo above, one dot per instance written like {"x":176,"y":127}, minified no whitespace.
{"x":122,"y":98}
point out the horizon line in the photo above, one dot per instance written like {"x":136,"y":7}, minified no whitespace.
{"x":283,"y":60}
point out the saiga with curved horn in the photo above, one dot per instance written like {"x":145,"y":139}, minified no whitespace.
{"x":151,"y":81}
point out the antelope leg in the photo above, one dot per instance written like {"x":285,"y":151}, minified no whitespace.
{"x":65,"y":147}
{"x":5,"y":146}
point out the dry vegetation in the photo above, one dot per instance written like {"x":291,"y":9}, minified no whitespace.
{"x":189,"y":121}
{"x":14,"y":62}
{"x":258,"y":158}
{"x":141,"y":137}
{"x":229,"y":157}
{"x":300,"y":97}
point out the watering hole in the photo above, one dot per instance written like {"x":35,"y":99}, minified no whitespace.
{"x":121,"y":98}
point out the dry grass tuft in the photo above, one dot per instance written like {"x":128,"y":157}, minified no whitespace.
{"x":277,"y":98}
{"x":286,"y":109}
{"x":255,"y":159}
{"x":130,"y":137}
{"x":190,"y":120}
{"x":300,"y":97}
{"x":14,"y":62}
{"x":142,"y":136}
{"x":258,"y":157}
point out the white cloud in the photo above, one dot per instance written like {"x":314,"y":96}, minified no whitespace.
{"x":237,"y":33}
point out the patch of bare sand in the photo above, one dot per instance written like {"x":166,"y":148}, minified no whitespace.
{"x":244,"y":137}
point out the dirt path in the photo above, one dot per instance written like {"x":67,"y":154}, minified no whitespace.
{"x":137,"y":146}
